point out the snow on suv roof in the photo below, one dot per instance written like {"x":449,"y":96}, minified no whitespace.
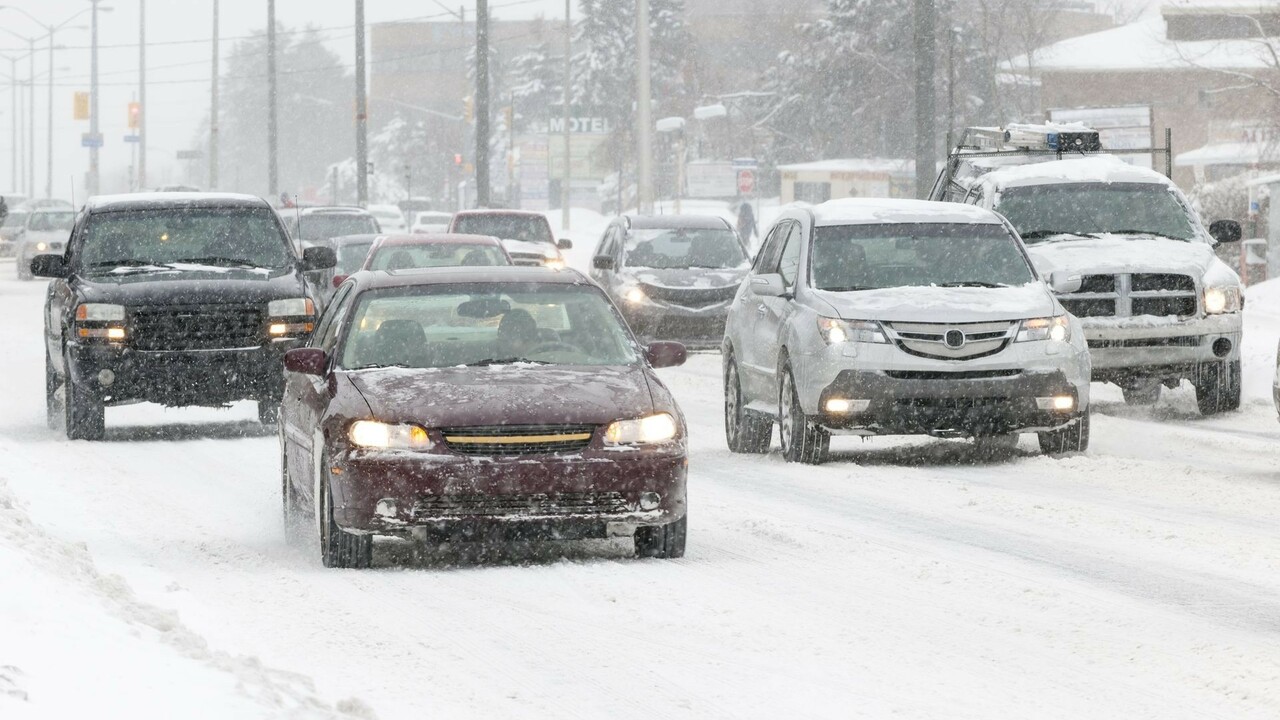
{"x":1095,"y":168}
{"x":866,"y":211}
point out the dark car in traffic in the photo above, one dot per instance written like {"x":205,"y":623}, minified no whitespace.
{"x":673,"y":276}
{"x":480,"y":404}
{"x":178,"y":299}
{"x":526,"y":235}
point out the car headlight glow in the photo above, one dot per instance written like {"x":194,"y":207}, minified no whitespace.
{"x":836,"y":331}
{"x":1050,"y":328}
{"x":1218,"y":300}
{"x":100,"y":312}
{"x":642,"y":431}
{"x":42,"y":246}
{"x":292,"y":307}
{"x":382,"y":436}
{"x":635,"y":295}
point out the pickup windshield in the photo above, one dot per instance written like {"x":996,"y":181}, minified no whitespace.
{"x":222,"y":237}
{"x":847,"y":258}
{"x":1041,"y":212}
{"x":527,"y":228}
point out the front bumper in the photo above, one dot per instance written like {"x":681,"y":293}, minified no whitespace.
{"x":595,"y":494}
{"x":698,"y":328}
{"x":181,"y":378}
{"x":1162,"y":348}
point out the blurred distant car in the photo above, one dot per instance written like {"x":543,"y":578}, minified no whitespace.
{"x":404,"y":252}
{"x":432,"y":221}
{"x":45,"y":233}
{"x":673,"y":276}
{"x":49,"y":203}
{"x":318,"y":225}
{"x":526,"y":235}
{"x":11,"y":229}
{"x":177,"y":188}
{"x":351,"y":251}
{"x":390,"y":219}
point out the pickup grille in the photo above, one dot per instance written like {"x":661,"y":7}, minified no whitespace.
{"x":1129,"y":295}
{"x":520,"y":505}
{"x":508,"y":440}
{"x":205,"y":327}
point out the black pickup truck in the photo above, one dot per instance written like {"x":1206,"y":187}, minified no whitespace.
{"x":178,"y":299}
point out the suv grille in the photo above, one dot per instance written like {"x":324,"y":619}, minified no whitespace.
{"x":521,"y":505}
{"x":1128,"y":295}
{"x":930,"y":339}
{"x":519,"y":439}
{"x":202,"y":327}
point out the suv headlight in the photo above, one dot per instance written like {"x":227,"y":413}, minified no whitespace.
{"x":291,"y":317}
{"x":1050,"y":328}
{"x":1218,"y":300}
{"x":382,"y":436}
{"x":642,"y":431}
{"x":836,"y":331}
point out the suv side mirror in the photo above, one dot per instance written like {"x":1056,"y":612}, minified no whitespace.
{"x":602,"y":262}
{"x":768,"y":285}
{"x":319,"y":258}
{"x":1225,"y":231}
{"x":308,"y":361}
{"x":50,"y":266}
{"x":1065,"y":283}
{"x":564,"y":244}
{"x":665,"y":354}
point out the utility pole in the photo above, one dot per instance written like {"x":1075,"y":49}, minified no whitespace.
{"x":482,"y":103}
{"x":31,"y":117}
{"x":362,"y":115}
{"x":13,"y":126}
{"x":925,"y":50}
{"x":566,"y":188}
{"x":644,"y":110}
{"x":48,"y":179}
{"x":92,"y":184}
{"x":213,"y":106}
{"x":142,"y":93}
{"x":273,"y":166}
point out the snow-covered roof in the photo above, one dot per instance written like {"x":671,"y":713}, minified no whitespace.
{"x":1198,"y":7}
{"x":1231,"y":153}
{"x":858,"y":211}
{"x":1094,"y":168}
{"x":1142,"y":45}
{"x":854,"y":165}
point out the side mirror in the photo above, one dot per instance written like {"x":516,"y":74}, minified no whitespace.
{"x":50,"y":266}
{"x":1225,"y":231}
{"x":602,"y":262}
{"x":564,"y":244}
{"x":319,"y":258}
{"x":339,"y":279}
{"x":665,"y":354}
{"x":308,"y":361}
{"x":768,"y":285}
{"x":1065,"y":283}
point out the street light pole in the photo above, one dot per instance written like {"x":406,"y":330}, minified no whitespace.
{"x":92,"y":184}
{"x":273,"y":167}
{"x":644,"y":110}
{"x":48,"y":179}
{"x":566,"y":188}
{"x":362,"y":114}
{"x":482,"y":104}
{"x":213,"y":106}
{"x":31,"y":117}
{"x":142,"y":93}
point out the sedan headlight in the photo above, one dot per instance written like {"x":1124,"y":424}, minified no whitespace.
{"x":643,"y":431}
{"x":836,"y":331}
{"x":382,"y":436}
{"x":1218,"y":300}
{"x":1050,"y":328}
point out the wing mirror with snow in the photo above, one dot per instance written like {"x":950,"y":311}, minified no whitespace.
{"x":1065,"y":283}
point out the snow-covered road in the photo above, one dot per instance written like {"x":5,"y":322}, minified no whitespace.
{"x":909,"y":578}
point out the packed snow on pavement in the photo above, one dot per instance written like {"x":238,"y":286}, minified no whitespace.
{"x":148,"y":576}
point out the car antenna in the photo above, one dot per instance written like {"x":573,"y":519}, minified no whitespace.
{"x":297,"y":214}
{"x":73,"y":191}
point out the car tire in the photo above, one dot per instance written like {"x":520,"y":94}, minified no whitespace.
{"x":51,"y":383}
{"x":662,"y":541}
{"x":83,"y":413}
{"x":339,"y":548}
{"x":1218,"y":388}
{"x":1139,"y":395}
{"x":289,"y":511}
{"x":802,"y":440}
{"x":745,"y":431}
{"x":1073,"y":438}
{"x":269,"y":412}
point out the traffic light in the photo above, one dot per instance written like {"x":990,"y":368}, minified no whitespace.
{"x":457,"y":158}
{"x":468,"y":108}
{"x":135,"y":115}
{"x":81,"y":108}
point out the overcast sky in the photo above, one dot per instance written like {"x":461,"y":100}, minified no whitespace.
{"x":179,"y":66}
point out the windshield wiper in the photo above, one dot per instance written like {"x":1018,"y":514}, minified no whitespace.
{"x":505,"y":361}
{"x":127,"y":262}
{"x":1147,"y":232}
{"x":1040,"y":234}
{"x":217,"y":260}
{"x":973,"y":283}
{"x":376,"y":366}
{"x":850,"y":288}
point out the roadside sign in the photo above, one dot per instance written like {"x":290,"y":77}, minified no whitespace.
{"x":190,"y":154}
{"x":90,"y":140}
{"x":746,"y":181}
{"x":133,"y":138}
{"x":81,"y":106}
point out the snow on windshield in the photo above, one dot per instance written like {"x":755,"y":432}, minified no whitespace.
{"x":194,"y":236}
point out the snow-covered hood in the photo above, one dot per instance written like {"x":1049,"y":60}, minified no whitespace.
{"x":684,"y":278}
{"x":1112,"y":254}
{"x":522,"y":247}
{"x":943,"y":305}
{"x":191,"y":285}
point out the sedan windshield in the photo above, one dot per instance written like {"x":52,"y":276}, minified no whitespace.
{"x":679,"y":248}
{"x":323,"y":227}
{"x":871,"y":257}
{"x":507,"y":227}
{"x":1044,"y":211}
{"x":403,"y":257}
{"x":51,"y":221}
{"x":485,"y":324}
{"x":226,"y":237}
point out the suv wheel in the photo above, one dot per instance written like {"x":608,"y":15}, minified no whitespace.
{"x":1073,"y":438}
{"x":339,"y":548}
{"x":1218,"y":388}
{"x":662,"y":541}
{"x":51,"y":383}
{"x":745,"y":431}
{"x":289,"y":504}
{"x":802,"y":441}
{"x":83,"y":412}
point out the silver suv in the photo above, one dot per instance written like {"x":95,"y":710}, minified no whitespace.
{"x":891,"y":317}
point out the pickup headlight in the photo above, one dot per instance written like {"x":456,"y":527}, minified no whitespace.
{"x":1050,"y":328}
{"x":291,"y":317}
{"x":836,"y":331}
{"x":1218,"y":300}
{"x":382,"y":436}
{"x":100,"y":321}
{"x":293,"y":307}
{"x":100,"y":312}
{"x":642,"y":431}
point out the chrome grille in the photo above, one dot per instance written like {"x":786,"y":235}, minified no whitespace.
{"x":689,"y":297}
{"x":929,"y":339}
{"x":203,"y":327}
{"x":1129,"y":295}
{"x":521,"y":505}
{"x":507,"y":440}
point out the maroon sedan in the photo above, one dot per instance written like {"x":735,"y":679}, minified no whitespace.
{"x":480,"y":404}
